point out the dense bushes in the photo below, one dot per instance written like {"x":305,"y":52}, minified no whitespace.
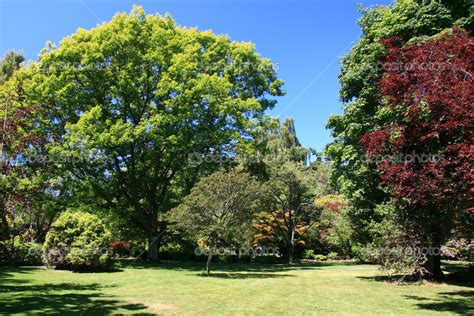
{"x":78,"y":241}
{"x":309,"y":254}
{"x":18,"y":252}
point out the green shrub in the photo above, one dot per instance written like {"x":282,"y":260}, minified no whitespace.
{"x":30,"y":254}
{"x":320,"y":257}
{"x":308,"y":254}
{"x":138,"y":249}
{"x":78,"y":241}
{"x":18,"y":252}
{"x":365,"y":253}
{"x":4,"y":253}
{"x":332,"y":256}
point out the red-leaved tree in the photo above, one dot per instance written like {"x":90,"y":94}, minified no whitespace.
{"x":17,"y":136}
{"x":426,"y":135}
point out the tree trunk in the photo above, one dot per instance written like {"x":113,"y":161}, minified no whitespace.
{"x":291,"y":248}
{"x":433,"y":265}
{"x":208,"y":264}
{"x":5,"y":233}
{"x":154,"y":237}
{"x":153,"y":247}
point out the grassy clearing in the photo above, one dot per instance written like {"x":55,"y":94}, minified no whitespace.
{"x":179,"y":288}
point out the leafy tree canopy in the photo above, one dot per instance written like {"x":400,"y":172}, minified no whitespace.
{"x":361,"y":70}
{"x":220,"y":208}
{"x":128,"y":101}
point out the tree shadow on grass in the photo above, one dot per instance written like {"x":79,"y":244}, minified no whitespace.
{"x":458,"y":276}
{"x":223,"y":275}
{"x":460,"y":302}
{"x":456,"y":302}
{"x":67,"y":304}
{"x":114,"y":270}
{"x":59,"y":299}
{"x":230,"y":267}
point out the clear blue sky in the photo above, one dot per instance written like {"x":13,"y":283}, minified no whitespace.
{"x":304,"y":38}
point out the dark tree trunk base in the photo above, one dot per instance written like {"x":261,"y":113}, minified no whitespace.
{"x":208,"y":263}
{"x":153,"y":248}
{"x":433,"y":265}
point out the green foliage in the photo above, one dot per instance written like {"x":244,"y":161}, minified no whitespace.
{"x":79,"y":241}
{"x":320,"y":257}
{"x":364,"y":253}
{"x":293,"y":188}
{"x":332,"y":256}
{"x":10,"y":63}
{"x":308,"y":254}
{"x":219,"y":208}
{"x":138,"y":249}
{"x":183,"y":251}
{"x":129,"y":101}
{"x":276,"y":145}
{"x":340,"y":237}
{"x":18,"y":252}
{"x":293,"y":185}
{"x":396,"y":247}
{"x":334,"y":231}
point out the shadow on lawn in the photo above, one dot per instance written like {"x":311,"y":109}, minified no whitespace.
{"x":458,"y":302}
{"x":223,"y":275}
{"x":458,"y":276}
{"x":229,"y":267}
{"x":61,"y":298}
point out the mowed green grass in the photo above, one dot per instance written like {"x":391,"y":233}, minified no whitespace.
{"x":244,"y":289}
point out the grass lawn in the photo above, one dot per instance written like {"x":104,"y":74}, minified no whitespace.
{"x":179,"y":288}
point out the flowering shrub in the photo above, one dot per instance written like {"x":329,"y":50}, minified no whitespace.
{"x":457,"y":249}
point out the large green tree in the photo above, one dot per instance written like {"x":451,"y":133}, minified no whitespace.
{"x":10,"y":63}
{"x":361,"y":69}
{"x":128,"y":101}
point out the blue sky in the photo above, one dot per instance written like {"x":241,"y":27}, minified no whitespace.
{"x":305,"y":39}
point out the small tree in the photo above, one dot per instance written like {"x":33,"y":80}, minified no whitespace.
{"x":78,"y":241}
{"x":293,"y":189}
{"x":293,"y":186}
{"x":219,"y":208}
